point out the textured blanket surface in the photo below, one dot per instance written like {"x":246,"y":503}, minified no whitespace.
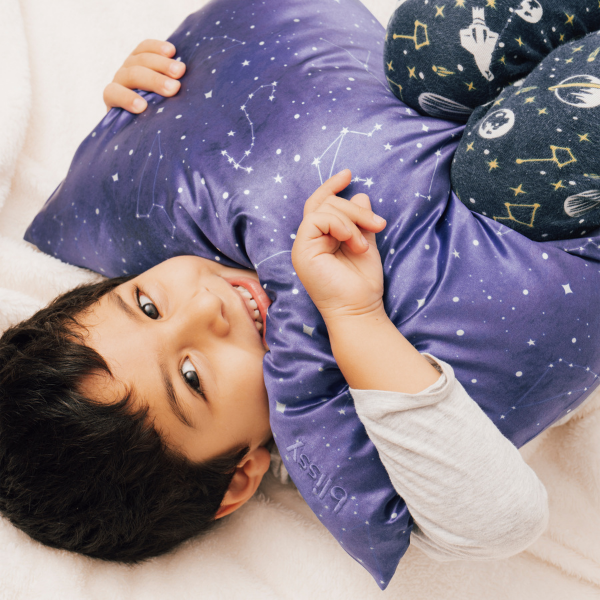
{"x":60,"y":56}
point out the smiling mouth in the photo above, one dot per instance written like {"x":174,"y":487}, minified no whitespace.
{"x":253,"y":306}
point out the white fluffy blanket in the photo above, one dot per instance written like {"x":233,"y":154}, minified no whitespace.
{"x":57,"y":56}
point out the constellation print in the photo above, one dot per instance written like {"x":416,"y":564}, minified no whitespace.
{"x":146,"y":215}
{"x":339,"y":140}
{"x":211,"y":39}
{"x":364,"y":65}
{"x":532,"y":208}
{"x":238,"y":164}
{"x":581,"y":248}
{"x":551,"y":366}
{"x":554,"y":159}
{"x":438,"y":154}
{"x":415,"y":36}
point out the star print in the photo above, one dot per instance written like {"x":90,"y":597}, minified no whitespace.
{"x":584,"y":137}
{"x":567,"y":289}
{"x":411,"y":72}
{"x":530,"y":342}
{"x":115,"y":177}
{"x":470,"y":146}
{"x":369,"y":182}
{"x":249,"y":169}
{"x":438,"y":152}
{"x":456,"y":254}
{"x":389,"y":66}
{"x":160,"y":109}
{"x":493,"y":164}
{"x":542,"y":111}
{"x":424,"y":128}
{"x":499,"y":101}
{"x":470,"y":86}
{"x":231,"y":133}
{"x":459,"y":4}
{"x":519,"y":41}
{"x":491,"y":3}
{"x":345,"y":131}
{"x":271,"y":98}
{"x":209,"y":95}
{"x":503,"y":60}
{"x":420,"y":302}
{"x":439,"y":10}
{"x":388,"y":147}
{"x":578,"y":49}
{"x":569,"y":60}
{"x":378,"y":126}
{"x":278,"y":179}
{"x":518,"y":190}
{"x":342,"y":411}
{"x":558,"y":185}
{"x":245,"y":63}
{"x":562,"y":37}
{"x":529,"y":100}
{"x":316,"y":162}
{"x":569,"y":20}
{"x":250,"y":96}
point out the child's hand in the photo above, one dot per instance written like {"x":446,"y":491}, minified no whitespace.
{"x":149,"y":68}
{"x":340,"y":270}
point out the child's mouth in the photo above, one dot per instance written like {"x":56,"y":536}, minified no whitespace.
{"x":258,"y":320}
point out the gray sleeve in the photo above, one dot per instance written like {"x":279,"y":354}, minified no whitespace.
{"x":469,"y":491}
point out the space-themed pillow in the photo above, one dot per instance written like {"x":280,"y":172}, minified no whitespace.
{"x":276,"y":98}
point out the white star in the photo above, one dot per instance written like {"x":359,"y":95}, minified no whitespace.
{"x":245,"y":63}
{"x":231,"y":133}
{"x":160,"y":109}
{"x":249,"y":170}
{"x":438,"y":153}
{"x":502,"y":416}
{"x":308,"y":330}
{"x":223,"y":152}
{"x":342,"y":412}
{"x":278,"y":178}
{"x":243,"y":107}
{"x":115,"y":177}
{"x":377,"y":126}
{"x":369,"y":182}
{"x":408,"y":111}
{"x":424,"y":128}
{"x":420,"y":302}
{"x":271,"y":98}
{"x":274,"y":83}
{"x":250,"y":96}
{"x":247,"y":152}
{"x":209,"y":95}
{"x":530,"y":342}
{"x":316,"y":162}
{"x":456,"y":254}
{"x":345,"y":131}
{"x":388,"y":146}
{"x":567,"y":289}
{"x":280,"y":407}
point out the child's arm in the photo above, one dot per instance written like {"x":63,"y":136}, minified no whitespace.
{"x":150,"y":68}
{"x":467,"y":487}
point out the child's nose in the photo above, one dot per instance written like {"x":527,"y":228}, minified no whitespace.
{"x":206,"y":313}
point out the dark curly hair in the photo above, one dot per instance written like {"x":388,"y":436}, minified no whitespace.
{"x":84,"y":476}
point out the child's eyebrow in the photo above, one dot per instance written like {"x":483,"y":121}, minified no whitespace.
{"x":174,"y":402}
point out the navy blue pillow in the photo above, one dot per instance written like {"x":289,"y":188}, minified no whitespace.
{"x":276,"y":98}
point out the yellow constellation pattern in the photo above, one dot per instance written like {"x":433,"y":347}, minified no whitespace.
{"x":511,"y":217}
{"x":554,"y":159}
{"x":415,"y":36}
{"x":397,"y":85}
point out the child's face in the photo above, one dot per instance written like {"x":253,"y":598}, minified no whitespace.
{"x":194,"y":326}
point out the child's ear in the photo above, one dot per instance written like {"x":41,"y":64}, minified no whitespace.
{"x":247,"y":478}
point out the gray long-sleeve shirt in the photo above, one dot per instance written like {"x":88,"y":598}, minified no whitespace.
{"x":469,"y":491}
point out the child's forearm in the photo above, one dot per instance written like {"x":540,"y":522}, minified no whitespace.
{"x":373,"y":355}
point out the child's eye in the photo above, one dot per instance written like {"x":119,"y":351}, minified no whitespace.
{"x":146,"y":305}
{"x":190,"y":375}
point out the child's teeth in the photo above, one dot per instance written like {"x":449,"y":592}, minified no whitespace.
{"x":253,"y":303}
{"x":257,"y":316}
{"x":259,"y":326}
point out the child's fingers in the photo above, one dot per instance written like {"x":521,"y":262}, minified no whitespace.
{"x":155,"y":47}
{"x":138,"y":77}
{"x":331,"y":187}
{"x":156,"y":62}
{"x":338,"y":226}
{"x":362,"y":216}
{"x":115,"y":95}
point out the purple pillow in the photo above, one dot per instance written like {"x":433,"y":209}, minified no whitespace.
{"x":276,"y":98}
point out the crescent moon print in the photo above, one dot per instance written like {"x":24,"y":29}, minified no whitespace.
{"x":582,"y":91}
{"x":497,"y":124}
{"x":577,"y":205}
{"x":530,"y":11}
{"x":438,"y":106}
